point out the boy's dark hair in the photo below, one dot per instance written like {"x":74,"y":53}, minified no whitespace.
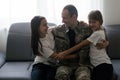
{"x":72,"y":10}
{"x":96,"y":15}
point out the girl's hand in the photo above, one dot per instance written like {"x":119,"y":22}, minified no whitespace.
{"x":60,"y":56}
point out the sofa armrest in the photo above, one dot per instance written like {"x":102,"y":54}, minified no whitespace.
{"x":2,"y":59}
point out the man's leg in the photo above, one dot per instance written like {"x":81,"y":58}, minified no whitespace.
{"x":63,"y":73}
{"x":82,"y":73}
{"x":51,"y":72}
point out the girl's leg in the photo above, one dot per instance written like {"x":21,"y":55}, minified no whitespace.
{"x":38,"y":72}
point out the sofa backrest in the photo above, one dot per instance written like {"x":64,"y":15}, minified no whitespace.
{"x":113,"y":34}
{"x":18,"y":42}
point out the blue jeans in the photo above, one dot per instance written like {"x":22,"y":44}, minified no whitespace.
{"x":43,"y":72}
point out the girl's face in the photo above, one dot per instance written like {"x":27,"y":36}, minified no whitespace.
{"x":94,"y":24}
{"x":43,"y":28}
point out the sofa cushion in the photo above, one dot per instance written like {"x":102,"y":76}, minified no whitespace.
{"x":18,"y":47}
{"x":18,"y":43}
{"x":15,"y":71}
{"x":113,"y":32}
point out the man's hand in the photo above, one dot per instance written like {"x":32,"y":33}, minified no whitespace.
{"x":102,"y":45}
{"x":83,"y":23}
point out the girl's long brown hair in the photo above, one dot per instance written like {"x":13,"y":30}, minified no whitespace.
{"x":35,"y":34}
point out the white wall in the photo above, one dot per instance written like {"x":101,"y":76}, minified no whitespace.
{"x":111,"y":11}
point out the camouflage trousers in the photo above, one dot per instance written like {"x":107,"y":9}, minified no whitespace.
{"x":79,"y":73}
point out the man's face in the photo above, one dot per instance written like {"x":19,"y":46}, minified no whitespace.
{"x":67,"y":19}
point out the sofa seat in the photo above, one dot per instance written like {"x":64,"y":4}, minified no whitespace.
{"x":15,"y":71}
{"x":116,"y":65}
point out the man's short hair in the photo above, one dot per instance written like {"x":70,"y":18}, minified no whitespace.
{"x":72,"y":10}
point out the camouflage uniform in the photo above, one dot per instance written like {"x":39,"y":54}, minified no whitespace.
{"x":79,"y":66}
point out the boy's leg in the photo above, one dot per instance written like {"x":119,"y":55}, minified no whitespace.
{"x":63,"y":73}
{"x":102,"y":72}
{"x":82,"y":73}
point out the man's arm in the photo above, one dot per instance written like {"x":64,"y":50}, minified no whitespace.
{"x":105,"y":42}
{"x":102,"y":45}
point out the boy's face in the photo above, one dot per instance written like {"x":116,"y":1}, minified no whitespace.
{"x":94,"y":24}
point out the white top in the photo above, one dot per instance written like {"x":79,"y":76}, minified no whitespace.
{"x":48,"y":50}
{"x":98,"y":56}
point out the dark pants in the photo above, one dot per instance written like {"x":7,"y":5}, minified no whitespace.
{"x":102,"y":72}
{"x":43,"y":72}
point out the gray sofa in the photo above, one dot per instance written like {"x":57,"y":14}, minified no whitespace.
{"x":16,"y":62}
{"x":18,"y":57}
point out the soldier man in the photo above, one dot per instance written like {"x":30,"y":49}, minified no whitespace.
{"x":67,"y":35}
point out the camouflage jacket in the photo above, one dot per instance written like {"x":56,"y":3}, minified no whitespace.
{"x":62,"y":43}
